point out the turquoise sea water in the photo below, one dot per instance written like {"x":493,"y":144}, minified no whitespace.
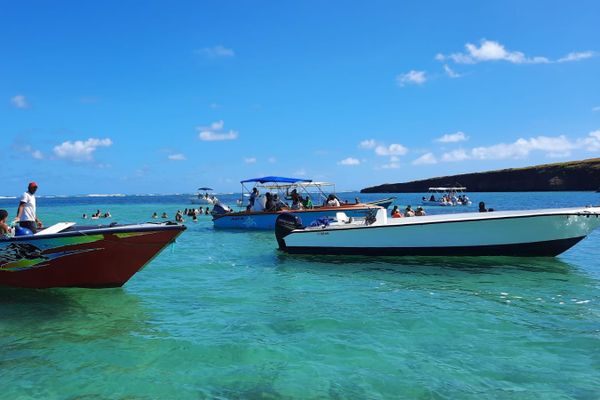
{"x":225,"y":315}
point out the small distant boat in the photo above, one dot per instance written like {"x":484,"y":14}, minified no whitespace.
{"x":446,"y":196}
{"x":257,"y":216}
{"x":66,"y":255}
{"x":538,"y":233}
{"x":385,"y":203}
{"x":204,"y":198}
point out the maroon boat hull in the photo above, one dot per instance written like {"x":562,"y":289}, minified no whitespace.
{"x":94,"y":259}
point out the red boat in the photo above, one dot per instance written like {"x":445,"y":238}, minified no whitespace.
{"x":82,"y":256}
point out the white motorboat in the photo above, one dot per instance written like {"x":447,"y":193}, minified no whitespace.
{"x":204,"y":198}
{"x":446,"y":196}
{"x":540,"y":233}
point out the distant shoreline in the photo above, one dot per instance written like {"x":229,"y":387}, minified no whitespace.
{"x":572,"y":176}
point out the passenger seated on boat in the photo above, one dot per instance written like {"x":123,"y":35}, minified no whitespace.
{"x":279,"y":205}
{"x":5,"y":230}
{"x":408,"y":212}
{"x":307,"y":202}
{"x":297,"y":204}
{"x":432,"y":198}
{"x":332,"y":201}
{"x":293,"y":196}
{"x":269,"y":204}
{"x":420,"y":212}
{"x":396,"y":212}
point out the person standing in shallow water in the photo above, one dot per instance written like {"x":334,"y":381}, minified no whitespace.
{"x":27,"y":213}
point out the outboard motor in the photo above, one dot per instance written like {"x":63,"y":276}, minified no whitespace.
{"x":220,"y":208}
{"x":286,"y":223}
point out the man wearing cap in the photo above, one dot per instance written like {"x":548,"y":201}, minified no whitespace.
{"x":26,"y":214}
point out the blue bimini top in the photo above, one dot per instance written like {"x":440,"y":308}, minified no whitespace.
{"x":276,"y":179}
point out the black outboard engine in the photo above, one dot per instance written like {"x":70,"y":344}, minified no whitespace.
{"x":220,"y":208}
{"x":286,"y":223}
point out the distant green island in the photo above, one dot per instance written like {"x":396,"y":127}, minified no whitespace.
{"x":581,"y":175}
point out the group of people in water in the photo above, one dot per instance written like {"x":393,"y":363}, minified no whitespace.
{"x":408,"y":212}
{"x":189,"y":212}
{"x":98,"y":214}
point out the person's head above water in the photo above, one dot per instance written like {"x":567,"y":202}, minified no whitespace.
{"x":3,"y":215}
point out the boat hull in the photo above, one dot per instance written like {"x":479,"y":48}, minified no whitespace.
{"x":95,"y":258}
{"x":539,"y":235}
{"x":267,"y":220}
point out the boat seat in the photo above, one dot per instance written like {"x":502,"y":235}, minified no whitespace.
{"x":342,"y":217}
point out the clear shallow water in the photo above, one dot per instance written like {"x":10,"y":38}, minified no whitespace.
{"x":224,"y":315}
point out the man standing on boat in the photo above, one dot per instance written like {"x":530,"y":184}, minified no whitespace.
{"x":26,"y":214}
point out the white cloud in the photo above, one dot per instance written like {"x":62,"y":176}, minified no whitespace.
{"x":218,"y":51}
{"x":551,"y":146}
{"x":349,"y":161}
{"x":490,"y":50}
{"x":427,"y":158}
{"x":212,"y":133}
{"x":215,"y":126}
{"x":19,"y":101}
{"x":554,"y":146}
{"x":453,"y":137}
{"x":591,"y":142}
{"x":367,"y":144}
{"x":455,"y":155}
{"x":596,"y":108}
{"x":450,"y":72}
{"x":250,"y":160}
{"x":412,"y":77}
{"x":176,"y":157}
{"x":80,"y":150}
{"x":393,"y":149}
{"x":210,"y":136}
{"x":38,"y":155}
{"x":272,"y":160}
{"x":576,"y":56}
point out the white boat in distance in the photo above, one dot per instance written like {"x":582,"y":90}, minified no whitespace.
{"x":446,"y":196}
{"x":257,"y":216}
{"x":534,"y":233}
{"x":204,"y":198}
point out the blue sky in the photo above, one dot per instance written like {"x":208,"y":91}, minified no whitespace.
{"x":164,"y":97}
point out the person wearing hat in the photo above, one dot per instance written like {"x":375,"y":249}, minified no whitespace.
{"x":420,"y":212}
{"x":26,"y":214}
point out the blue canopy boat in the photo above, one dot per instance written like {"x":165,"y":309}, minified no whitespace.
{"x":262,"y":207}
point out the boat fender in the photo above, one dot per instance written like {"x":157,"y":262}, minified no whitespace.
{"x":284,"y":224}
